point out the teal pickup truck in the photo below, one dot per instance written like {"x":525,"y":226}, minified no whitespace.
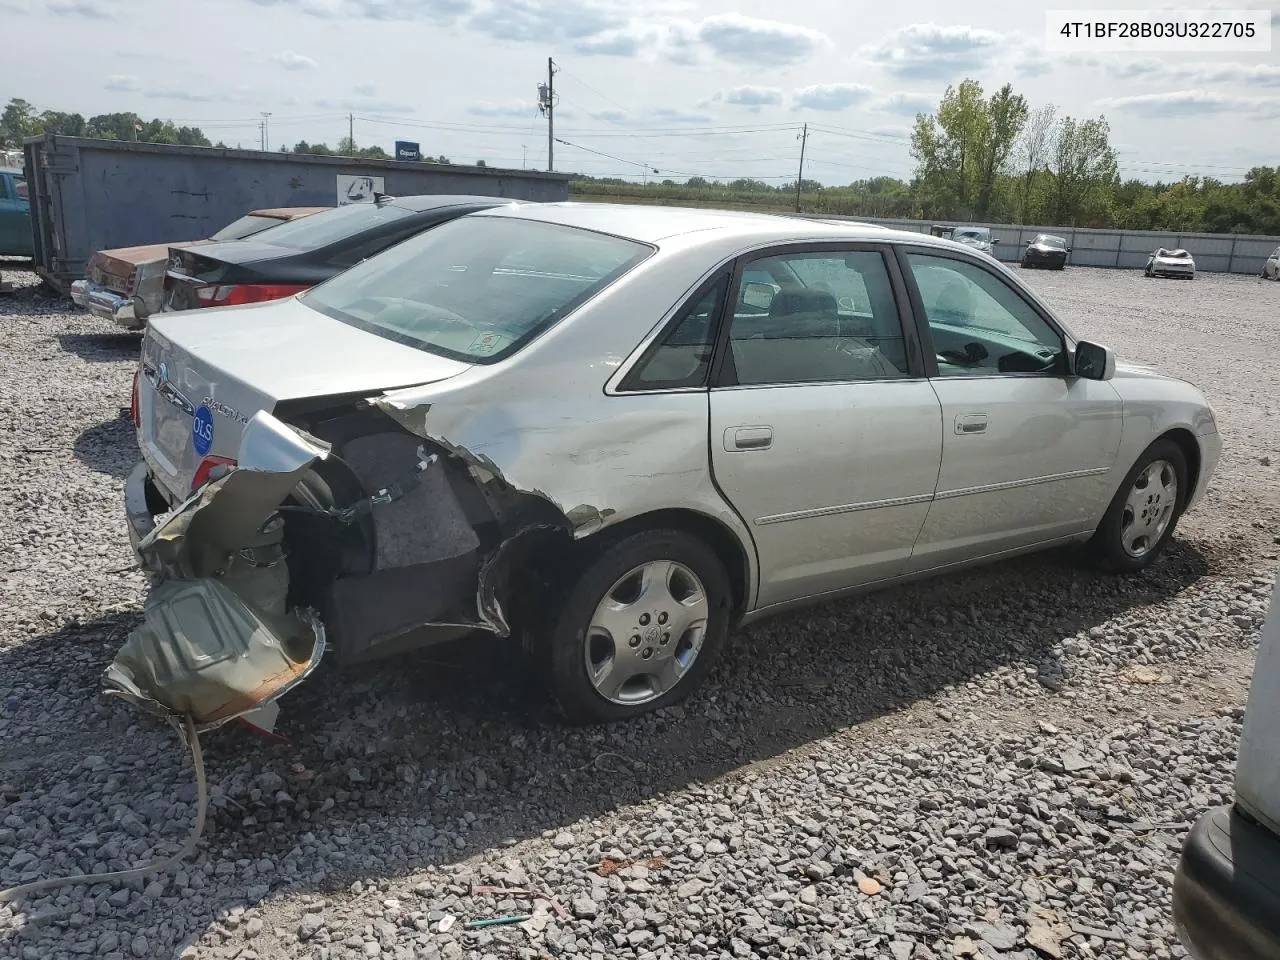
{"x":15,"y":214}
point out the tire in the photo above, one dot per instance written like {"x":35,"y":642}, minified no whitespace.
{"x":1116,"y":529}
{"x":568,"y":651}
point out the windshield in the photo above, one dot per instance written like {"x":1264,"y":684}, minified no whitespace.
{"x":1049,"y":241}
{"x":330,"y":226}
{"x":477,"y":288}
{"x":246,"y":226}
{"x":981,"y":234}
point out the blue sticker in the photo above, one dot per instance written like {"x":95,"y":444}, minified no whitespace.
{"x":202,"y":430}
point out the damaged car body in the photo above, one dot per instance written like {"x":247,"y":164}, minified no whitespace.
{"x":588,"y":428}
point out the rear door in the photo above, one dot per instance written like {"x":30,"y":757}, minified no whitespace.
{"x":1026,"y":446}
{"x":825,"y":436}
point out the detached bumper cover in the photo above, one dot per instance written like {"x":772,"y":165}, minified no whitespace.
{"x":1226,"y":893}
{"x":218,"y":640}
{"x":106,"y":304}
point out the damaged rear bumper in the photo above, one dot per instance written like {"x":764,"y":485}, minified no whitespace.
{"x":218,"y":640}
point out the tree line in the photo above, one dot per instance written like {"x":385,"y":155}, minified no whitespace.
{"x":996,"y":159}
{"x":20,"y":120}
{"x":999,"y":159}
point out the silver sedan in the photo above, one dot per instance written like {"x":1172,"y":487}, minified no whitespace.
{"x":616,"y":433}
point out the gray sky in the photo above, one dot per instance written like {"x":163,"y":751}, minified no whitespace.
{"x":686,"y":86}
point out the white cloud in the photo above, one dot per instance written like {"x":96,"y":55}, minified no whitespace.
{"x":514,"y":108}
{"x":364,"y":104}
{"x":728,"y":37}
{"x":1195,"y":74}
{"x":831,"y":96}
{"x":538,"y":21}
{"x":742,"y":39}
{"x":91,"y":9}
{"x":751,"y":97}
{"x":365,"y":90}
{"x":1191,"y":103}
{"x":930,"y":51}
{"x":443,"y":11}
{"x":122,"y":83}
{"x":908,"y":104}
{"x":293,"y":61}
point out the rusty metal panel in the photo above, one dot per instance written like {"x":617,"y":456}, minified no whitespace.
{"x":103,"y":194}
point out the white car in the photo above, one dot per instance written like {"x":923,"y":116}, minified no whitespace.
{"x":1271,"y":269}
{"x":1171,"y":263}
{"x":616,"y":433}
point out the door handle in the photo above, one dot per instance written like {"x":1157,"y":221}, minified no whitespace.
{"x":748,"y":438}
{"x":971,"y":423}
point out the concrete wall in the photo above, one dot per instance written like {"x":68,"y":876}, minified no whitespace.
{"x":89,"y":195}
{"x":1126,"y":249}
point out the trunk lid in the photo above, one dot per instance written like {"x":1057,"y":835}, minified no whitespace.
{"x":114,"y":269}
{"x":204,"y":375}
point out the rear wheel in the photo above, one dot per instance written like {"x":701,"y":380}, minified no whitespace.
{"x":1145,"y":510}
{"x":638,"y":629}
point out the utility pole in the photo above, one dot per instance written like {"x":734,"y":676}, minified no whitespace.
{"x":804,"y":139}
{"x":351,"y":131}
{"x":524,"y":157}
{"x":261,"y":141}
{"x":266,"y":131}
{"x":547,"y":106}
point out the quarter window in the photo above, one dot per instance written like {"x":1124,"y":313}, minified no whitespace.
{"x":682,"y":356}
{"x":816,"y":317}
{"x":980,"y":325}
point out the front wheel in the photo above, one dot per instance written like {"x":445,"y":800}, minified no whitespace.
{"x":639,"y":629}
{"x":1145,"y":510}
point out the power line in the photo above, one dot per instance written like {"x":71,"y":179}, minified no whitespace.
{"x":583,"y":83}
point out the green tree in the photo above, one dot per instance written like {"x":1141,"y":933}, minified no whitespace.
{"x":17,"y":122}
{"x":1006,"y":116}
{"x":1084,"y":169}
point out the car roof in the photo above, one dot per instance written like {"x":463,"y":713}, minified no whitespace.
{"x":652,"y":224}
{"x":433,"y":201}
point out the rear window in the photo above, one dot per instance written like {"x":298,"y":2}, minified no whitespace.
{"x":246,"y":226}
{"x":330,"y":226}
{"x":477,"y":288}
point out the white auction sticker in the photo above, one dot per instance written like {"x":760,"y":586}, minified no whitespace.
{"x":1156,"y":31}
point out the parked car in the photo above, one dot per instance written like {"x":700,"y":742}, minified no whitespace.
{"x":1046,"y":250}
{"x":1171,"y":263}
{"x":1226,"y":891}
{"x":298,"y":255}
{"x":977,"y":237}
{"x":15,"y":214}
{"x":600,"y":429}
{"x":1271,"y":269}
{"x":126,"y":285}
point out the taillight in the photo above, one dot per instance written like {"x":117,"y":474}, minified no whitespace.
{"x":135,"y":407}
{"x":206,"y":467}
{"x":227,"y":295}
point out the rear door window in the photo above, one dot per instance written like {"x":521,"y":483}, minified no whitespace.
{"x":832,"y":317}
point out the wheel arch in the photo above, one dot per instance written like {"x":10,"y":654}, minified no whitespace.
{"x":1190,"y":447}
{"x":726,"y":544}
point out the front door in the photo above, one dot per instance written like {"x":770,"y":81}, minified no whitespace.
{"x":1026,"y":447}
{"x":825,"y":436}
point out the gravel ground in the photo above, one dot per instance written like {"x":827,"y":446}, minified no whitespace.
{"x":998,"y":764}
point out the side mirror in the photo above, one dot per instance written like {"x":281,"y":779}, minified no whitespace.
{"x":1094,"y":362}
{"x":994,"y":240}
